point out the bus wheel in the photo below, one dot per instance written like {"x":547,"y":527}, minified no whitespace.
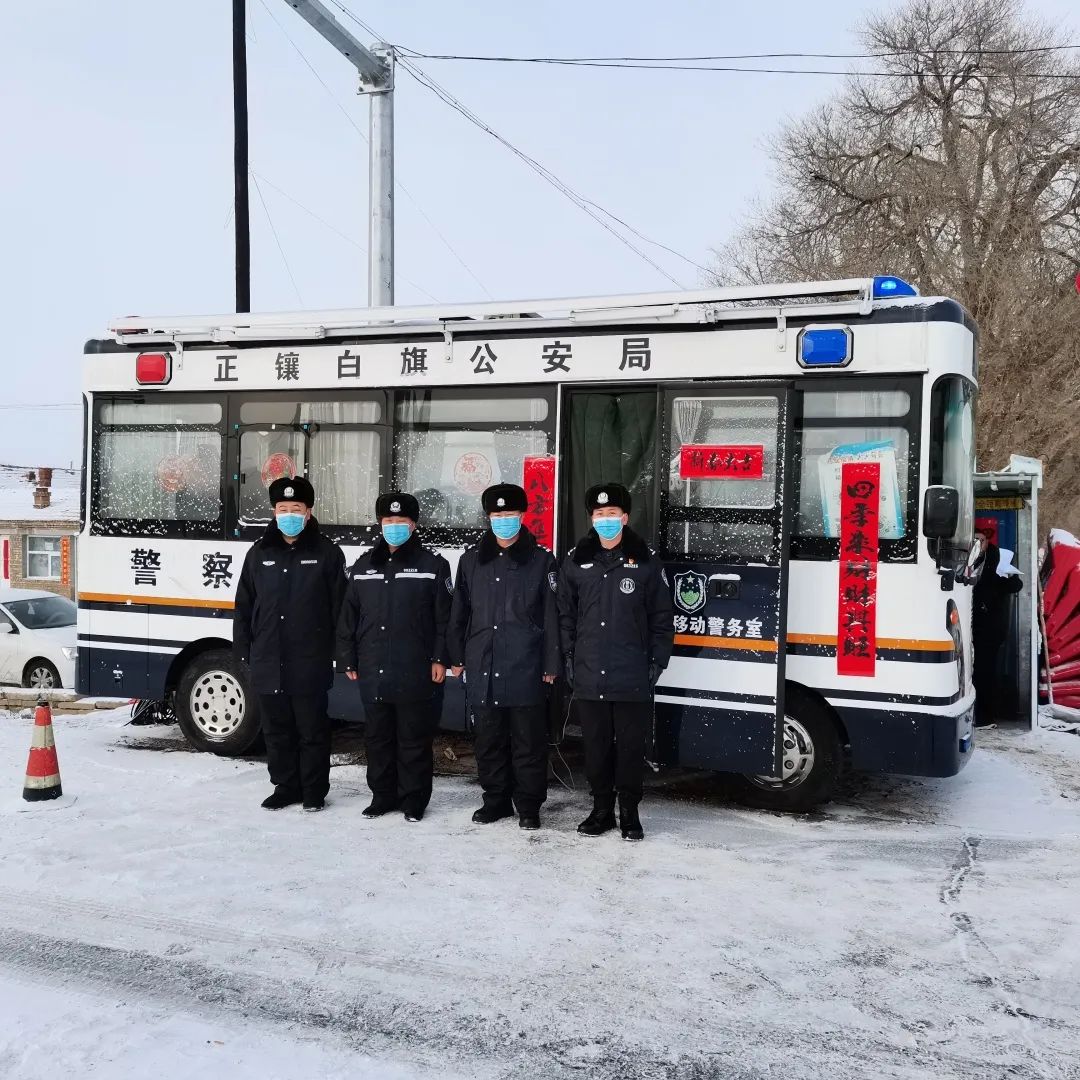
{"x":215,"y":707}
{"x":809,"y":767}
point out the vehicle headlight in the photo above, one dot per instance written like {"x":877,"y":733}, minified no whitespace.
{"x":70,"y":651}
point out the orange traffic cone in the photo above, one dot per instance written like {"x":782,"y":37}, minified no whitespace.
{"x":42,"y":770}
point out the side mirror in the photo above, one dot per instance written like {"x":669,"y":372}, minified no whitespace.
{"x":941,"y":512}
{"x":941,"y":515}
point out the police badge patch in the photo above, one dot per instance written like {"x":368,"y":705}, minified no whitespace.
{"x":395,"y":507}
{"x":289,"y":492}
{"x":627,"y":585}
{"x":690,"y":591}
{"x":553,"y":581}
{"x":602,"y":498}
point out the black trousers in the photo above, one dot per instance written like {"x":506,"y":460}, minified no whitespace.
{"x":297,"y":734}
{"x":616,"y":736}
{"x":511,"y":756}
{"x":398,"y":740}
{"x":985,"y":646}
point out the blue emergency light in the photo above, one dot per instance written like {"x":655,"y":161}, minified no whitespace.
{"x":885,"y":288}
{"x":825,"y":347}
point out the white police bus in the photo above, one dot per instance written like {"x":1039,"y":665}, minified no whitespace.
{"x":801,"y":455}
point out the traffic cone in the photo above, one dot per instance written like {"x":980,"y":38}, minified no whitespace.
{"x":42,"y":770}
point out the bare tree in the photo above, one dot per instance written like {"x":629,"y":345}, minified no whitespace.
{"x":961,"y":172}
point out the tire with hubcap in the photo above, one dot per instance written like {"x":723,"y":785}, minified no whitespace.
{"x":215,"y":705}
{"x":40,"y":674}
{"x":810,"y":763}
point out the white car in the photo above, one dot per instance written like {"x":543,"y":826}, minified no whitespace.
{"x":37,"y":639}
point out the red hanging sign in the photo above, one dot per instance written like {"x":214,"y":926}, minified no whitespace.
{"x":705,"y":462}
{"x":856,"y":629}
{"x":539,"y":484}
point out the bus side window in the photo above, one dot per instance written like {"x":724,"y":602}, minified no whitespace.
{"x":450,"y":445}
{"x":336,"y":444}
{"x":851,"y":424}
{"x":157,"y":466}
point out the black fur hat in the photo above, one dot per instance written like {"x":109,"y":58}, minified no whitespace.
{"x":600,"y":496}
{"x":292,"y":489}
{"x":504,"y":497}
{"x":397,"y":504}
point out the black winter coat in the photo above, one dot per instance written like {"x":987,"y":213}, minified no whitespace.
{"x":287,"y":606}
{"x":615,"y":617}
{"x":990,"y":604}
{"x":393,"y":621}
{"x":504,"y":622}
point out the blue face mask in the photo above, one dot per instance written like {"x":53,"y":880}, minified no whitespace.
{"x":395,"y":534}
{"x":608,"y":527}
{"x":506,"y":528}
{"x":291,"y":524}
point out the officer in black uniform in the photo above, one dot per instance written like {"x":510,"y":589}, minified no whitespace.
{"x":617,"y":632}
{"x":504,"y":634}
{"x":287,"y":605}
{"x":392,"y":638}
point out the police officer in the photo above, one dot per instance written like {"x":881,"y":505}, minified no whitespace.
{"x":504,"y":634}
{"x":617,"y":632}
{"x":392,"y":639}
{"x":287,"y":605}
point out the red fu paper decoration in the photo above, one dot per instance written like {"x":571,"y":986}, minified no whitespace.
{"x":539,"y":484}
{"x":698,"y":461}
{"x":856,"y":627}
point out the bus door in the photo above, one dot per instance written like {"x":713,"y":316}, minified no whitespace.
{"x":724,"y":496}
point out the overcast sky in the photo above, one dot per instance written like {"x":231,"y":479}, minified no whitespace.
{"x":116,"y":144}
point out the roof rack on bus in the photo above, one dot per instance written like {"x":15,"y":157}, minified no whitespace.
{"x":805,"y":297}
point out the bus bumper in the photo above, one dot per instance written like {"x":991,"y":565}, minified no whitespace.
{"x":915,"y":744}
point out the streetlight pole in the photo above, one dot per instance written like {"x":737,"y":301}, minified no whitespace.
{"x":376,"y":69}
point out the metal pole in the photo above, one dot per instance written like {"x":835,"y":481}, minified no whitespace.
{"x":381,"y":187}
{"x":240,"y":157}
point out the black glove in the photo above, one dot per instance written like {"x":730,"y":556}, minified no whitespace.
{"x":655,"y":671}
{"x":568,"y":663}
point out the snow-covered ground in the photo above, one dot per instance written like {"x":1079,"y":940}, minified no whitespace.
{"x":164,"y":926}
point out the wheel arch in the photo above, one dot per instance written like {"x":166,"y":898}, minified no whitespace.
{"x":186,"y":655}
{"x":796,"y":690}
{"x":40,"y":660}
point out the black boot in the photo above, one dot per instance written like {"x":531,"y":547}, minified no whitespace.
{"x":487,"y":815}
{"x":529,"y":820}
{"x":629,"y":821}
{"x":378,"y":807}
{"x":602,"y":818}
{"x":281,"y":798}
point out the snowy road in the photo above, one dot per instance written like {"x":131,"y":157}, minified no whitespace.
{"x":165,"y":926}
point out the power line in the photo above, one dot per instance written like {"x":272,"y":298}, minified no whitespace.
{"x":334,"y":229}
{"x":587,"y":206}
{"x":397,"y":183}
{"x":277,"y":240}
{"x":675,"y":64}
{"x":731,"y":56}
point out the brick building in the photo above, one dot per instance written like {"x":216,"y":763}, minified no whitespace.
{"x":39,"y":524}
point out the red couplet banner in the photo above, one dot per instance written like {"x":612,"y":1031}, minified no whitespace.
{"x":699,"y":461}
{"x":539,"y":484}
{"x":856,"y":629}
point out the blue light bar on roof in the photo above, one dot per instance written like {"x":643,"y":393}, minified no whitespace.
{"x":885,"y":288}
{"x":825,"y":346}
